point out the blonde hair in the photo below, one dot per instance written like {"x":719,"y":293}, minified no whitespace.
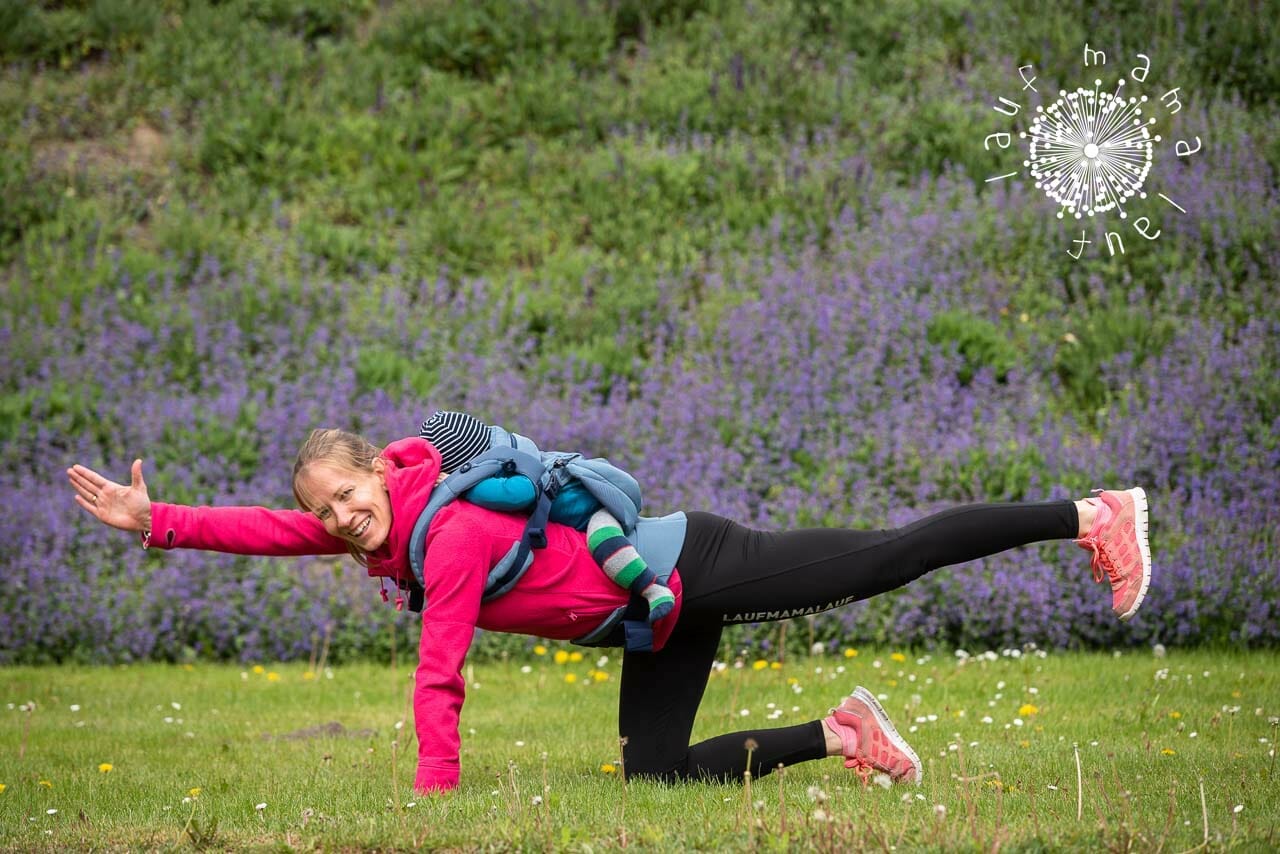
{"x":340,"y":449}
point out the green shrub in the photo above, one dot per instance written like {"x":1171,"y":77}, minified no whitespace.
{"x":978,"y":340}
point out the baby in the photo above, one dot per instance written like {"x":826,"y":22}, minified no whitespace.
{"x":461,"y":438}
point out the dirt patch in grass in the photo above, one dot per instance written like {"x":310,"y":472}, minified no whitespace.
{"x":142,"y":150}
{"x":332,"y":729}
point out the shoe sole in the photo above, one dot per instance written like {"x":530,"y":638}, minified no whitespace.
{"x":887,"y":725}
{"x":1144,"y":546}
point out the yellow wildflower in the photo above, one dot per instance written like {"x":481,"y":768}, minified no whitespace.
{"x":1175,"y":715}
{"x":539,"y":650}
{"x":600,"y":676}
{"x":759,"y":664}
{"x":308,"y":676}
{"x":575,"y":656}
{"x":561,"y":656}
{"x":105,"y":768}
{"x":46,"y":784}
{"x":1026,"y":709}
{"x":608,"y":768}
{"x":2,"y":788}
{"x":850,"y":652}
{"x":571,"y":678}
{"x":898,"y":657}
{"x":893,"y":683}
{"x":1169,"y":752}
{"x":791,"y":680}
{"x":273,"y":676}
{"x":777,"y":665}
{"x":1024,"y":743}
{"x":194,"y":792}
{"x":187,"y":667}
{"x":1236,"y":694}
{"x":259,"y":669}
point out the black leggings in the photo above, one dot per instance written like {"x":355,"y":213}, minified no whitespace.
{"x":733,"y":574}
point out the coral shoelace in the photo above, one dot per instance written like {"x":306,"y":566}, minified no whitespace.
{"x":862,"y":768}
{"x":1103,"y":562}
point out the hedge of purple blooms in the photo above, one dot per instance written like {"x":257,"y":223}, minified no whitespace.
{"x":794,"y":385}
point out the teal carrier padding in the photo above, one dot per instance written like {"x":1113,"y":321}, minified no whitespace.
{"x":511,"y":454}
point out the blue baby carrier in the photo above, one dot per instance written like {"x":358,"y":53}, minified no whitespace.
{"x":553,"y":475}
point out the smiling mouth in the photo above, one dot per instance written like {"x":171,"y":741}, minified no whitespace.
{"x":359,"y":532}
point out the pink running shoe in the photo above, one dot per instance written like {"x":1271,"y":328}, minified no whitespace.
{"x":870,"y":742}
{"x":1121,"y":553}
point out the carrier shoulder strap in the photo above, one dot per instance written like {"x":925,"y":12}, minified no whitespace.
{"x":497,"y":461}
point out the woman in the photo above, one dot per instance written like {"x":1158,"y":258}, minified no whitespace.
{"x":359,"y":498}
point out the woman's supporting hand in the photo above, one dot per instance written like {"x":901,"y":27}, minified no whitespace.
{"x":125,"y":507}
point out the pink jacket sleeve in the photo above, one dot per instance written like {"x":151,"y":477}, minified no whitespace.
{"x":455,"y":577}
{"x":239,"y":530}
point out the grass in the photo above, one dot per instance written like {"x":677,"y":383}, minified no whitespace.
{"x":194,"y":750}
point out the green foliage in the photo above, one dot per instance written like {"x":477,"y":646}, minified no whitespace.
{"x":978,"y":340}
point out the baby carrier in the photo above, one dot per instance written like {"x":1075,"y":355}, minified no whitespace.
{"x":554,"y":475}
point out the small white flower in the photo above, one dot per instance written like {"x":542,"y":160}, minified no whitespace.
{"x":399,"y":724}
{"x":1000,"y":685}
{"x":818,"y":814}
{"x":940,"y":810}
{"x":1017,"y":721}
{"x":1053,"y":788}
{"x":537,"y":800}
{"x":410,"y":805}
{"x":260,"y":807}
{"x":744,"y":712}
{"x":186,"y":800}
{"x":1158,"y":650}
{"x":75,"y":707}
{"x":1192,"y":735}
{"x":818,"y":648}
{"x":526,"y":669}
{"x":51,"y":812}
{"x":602,"y":661}
{"x":519,"y":744}
{"x":882,"y":780}
{"x":176,"y":706}
{"x":1237,"y":808}
{"x":987,"y":720}
{"x":913,"y":728}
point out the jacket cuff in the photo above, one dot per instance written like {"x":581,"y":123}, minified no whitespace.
{"x":435,"y":778}
{"x":163,"y":531}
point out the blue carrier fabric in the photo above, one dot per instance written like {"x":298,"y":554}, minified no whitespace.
{"x":510,"y":454}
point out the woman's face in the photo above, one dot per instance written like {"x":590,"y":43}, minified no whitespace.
{"x":353,"y":505}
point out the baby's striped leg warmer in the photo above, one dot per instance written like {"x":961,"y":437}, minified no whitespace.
{"x":623,"y":564}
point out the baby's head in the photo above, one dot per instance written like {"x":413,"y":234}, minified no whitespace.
{"x":340,"y":477}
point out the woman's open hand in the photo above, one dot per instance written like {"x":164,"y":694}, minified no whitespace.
{"x":125,"y":507}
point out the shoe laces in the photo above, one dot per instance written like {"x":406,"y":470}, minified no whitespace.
{"x":862,"y":767}
{"x":1103,"y":562}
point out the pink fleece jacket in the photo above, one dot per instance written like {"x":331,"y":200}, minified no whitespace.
{"x":563,"y":595}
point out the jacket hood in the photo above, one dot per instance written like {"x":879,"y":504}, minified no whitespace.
{"x":413,"y":465}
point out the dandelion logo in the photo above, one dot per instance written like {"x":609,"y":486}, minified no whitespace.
{"x":1092,"y":151}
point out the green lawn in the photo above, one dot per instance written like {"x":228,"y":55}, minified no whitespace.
{"x":320,"y":751}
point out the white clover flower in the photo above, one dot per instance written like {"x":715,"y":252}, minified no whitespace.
{"x":260,"y":807}
{"x":1237,"y":808}
{"x":882,"y":780}
{"x":940,"y":810}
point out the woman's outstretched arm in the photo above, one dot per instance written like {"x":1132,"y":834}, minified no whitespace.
{"x":238,"y":530}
